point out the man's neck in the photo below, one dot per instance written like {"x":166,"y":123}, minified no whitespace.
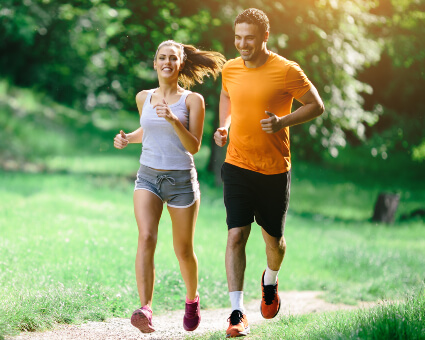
{"x":259,"y":61}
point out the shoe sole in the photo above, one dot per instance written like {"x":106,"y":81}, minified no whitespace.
{"x":190,"y":329}
{"x":140,"y":321}
{"x":238,"y":334}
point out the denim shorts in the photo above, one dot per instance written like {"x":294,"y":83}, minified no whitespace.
{"x":179,"y":188}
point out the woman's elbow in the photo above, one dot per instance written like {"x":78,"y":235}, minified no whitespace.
{"x":194,"y":149}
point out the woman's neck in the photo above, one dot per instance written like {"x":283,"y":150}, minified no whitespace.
{"x":167,"y":91}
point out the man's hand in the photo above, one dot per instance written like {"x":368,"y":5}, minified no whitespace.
{"x":220,"y":136}
{"x":271,"y":124}
{"x":120,"y":140}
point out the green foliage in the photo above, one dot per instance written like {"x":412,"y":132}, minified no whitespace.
{"x":34,"y":128}
{"x":399,"y":77}
{"x":98,"y":54}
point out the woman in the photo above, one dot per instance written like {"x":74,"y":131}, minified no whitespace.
{"x":171,"y":120}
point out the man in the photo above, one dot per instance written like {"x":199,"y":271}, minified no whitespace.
{"x":256,"y":98}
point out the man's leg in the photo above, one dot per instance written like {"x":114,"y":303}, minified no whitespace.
{"x":235,"y":270}
{"x":236,"y":257}
{"x":275,"y":252}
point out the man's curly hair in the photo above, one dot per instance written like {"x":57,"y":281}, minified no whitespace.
{"x":256,"y":17}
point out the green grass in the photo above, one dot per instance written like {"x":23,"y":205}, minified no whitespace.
{"x":68,"y":235}
{"x":387,"y":320}
{"x":67,"y":246}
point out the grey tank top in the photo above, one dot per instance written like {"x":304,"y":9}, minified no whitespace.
{"x":161,"y":147}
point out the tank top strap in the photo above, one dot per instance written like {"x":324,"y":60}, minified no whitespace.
{"x":185,"y":94}
{"x":148,"y":97}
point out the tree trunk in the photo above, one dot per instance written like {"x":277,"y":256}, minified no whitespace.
{"x":385,"y":208}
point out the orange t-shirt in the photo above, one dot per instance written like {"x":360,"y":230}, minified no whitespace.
{"x":270,"y":87}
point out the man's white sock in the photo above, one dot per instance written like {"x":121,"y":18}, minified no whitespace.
{"x":236,"y":300}
{"x":270,"y":276}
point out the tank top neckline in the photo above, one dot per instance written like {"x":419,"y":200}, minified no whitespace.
{"x":184,"y":95}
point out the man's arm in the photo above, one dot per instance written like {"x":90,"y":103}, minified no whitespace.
{"x":220,"y":136}
{"x":312,"y":107}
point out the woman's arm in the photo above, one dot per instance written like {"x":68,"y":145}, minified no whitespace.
{"x":122,"y":139}
{"x":191,"y":139}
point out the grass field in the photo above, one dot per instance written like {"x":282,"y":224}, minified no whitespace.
{"x":68,"y":240}
{"x":388,"y":320}
{"x":68,"y":235}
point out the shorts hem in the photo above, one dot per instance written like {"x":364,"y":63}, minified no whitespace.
{"x":149,"y":191}
{"x":239,"y":226}
{"x":184,"y":206}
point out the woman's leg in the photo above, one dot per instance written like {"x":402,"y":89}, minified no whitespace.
{"x":147,"y":209}
{"x":184,"y":221}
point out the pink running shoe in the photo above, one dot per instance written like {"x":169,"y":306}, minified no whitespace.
{"x":142,"y":319}
{"x":192,"y":315}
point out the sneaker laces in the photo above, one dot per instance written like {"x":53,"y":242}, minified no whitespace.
{"x":269,"y":293}
{"x":191,"y":310}
{"x":236,"y":317}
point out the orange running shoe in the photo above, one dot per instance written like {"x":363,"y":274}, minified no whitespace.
{"x":142,"y":319}
{"x":238,"y":325}
{"x":270,"y":302}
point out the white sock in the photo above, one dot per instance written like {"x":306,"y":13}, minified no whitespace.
{"x":236,"y":300}
{"x":270,"y":276}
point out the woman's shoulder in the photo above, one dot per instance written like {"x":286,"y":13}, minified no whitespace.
{"x":194,"y":98}
{"x":142,"y":95}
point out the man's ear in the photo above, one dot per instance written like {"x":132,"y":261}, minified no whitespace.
{"x":266,"y":36}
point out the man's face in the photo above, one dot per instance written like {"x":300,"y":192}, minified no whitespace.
{"x":249,"y":41}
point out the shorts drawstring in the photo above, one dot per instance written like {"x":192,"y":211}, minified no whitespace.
{"x":159,"y":180}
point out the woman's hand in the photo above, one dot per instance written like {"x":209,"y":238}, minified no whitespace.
{"x":120,"y":140}
{"x":162,"y":110}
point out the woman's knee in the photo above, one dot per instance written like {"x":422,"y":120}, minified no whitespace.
{"x":185,"y":253}
{"x":147,"y":240}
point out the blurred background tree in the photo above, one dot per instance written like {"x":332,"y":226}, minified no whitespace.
{"x":366,"y":58}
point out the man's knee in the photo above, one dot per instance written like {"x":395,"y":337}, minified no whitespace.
{"x":237,"y":237}
{"x":277,"y":243}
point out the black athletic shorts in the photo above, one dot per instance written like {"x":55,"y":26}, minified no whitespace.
{"x":249,"y":194}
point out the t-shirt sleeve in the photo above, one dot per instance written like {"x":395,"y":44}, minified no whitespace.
{"x":297,"y":82}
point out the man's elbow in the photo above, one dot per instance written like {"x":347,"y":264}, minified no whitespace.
{"x":320,"y":108}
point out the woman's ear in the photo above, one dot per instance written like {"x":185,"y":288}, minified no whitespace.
{"x":154,"y":65}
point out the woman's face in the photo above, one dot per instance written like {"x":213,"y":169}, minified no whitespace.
{"x":168,"y":61}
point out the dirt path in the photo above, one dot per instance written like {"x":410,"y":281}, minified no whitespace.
{"x":169,"y":326}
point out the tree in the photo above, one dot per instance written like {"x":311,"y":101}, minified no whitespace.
{"x":91,"y":54}
{"x":398,"y":79}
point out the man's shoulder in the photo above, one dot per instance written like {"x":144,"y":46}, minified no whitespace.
{"x":281,"y":61}
{"x":233,"y":63}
